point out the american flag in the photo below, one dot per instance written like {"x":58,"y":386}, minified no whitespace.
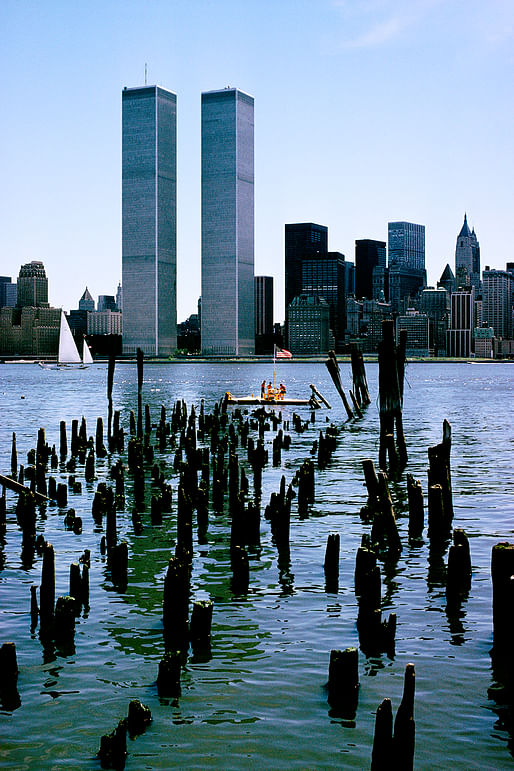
{"x":281,"y":353}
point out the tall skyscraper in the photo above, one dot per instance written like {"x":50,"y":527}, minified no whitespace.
{"x":462,"y":323}
{"x":303,"y":240}
{"x":8,"y":292}
{"x":227,"y":326}
{"x":467,"y":257}
{"x":332,"y":278}
{"x":86,"y":302}
{"x":406,"y":245}
{"x":369,"y":254}
{"x":149,"y":217}
{"x":497,"y":301}
{"x":263,"y":305}
{"x":32,"y":286}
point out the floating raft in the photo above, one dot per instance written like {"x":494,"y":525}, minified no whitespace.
{"x":315,"y":401}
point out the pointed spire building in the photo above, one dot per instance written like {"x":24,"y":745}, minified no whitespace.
{"x":467,"y":257}
{"x":86,"y":302}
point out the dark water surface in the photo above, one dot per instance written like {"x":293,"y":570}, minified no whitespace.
{"x":259,"y":702}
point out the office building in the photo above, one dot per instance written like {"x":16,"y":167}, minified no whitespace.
{"x":227,"y":322}
{"x":416,"y":325}
{"x":460,"y":336}
{"x":32,"y":286}
{"x":308,"y":319}
{"x":264,"y":314}
{"x":263,"y":305}
{"x":149,"y":214}
{"x":86,"y":302}
{"x":373,"y":314}
{"x":447,"y":280}
{"x":106,"y":302}
{"x":435,"y":303}
{"x":332,"y":278}
{"x":406,"y":245}
{"x":369,"y":254}
{"x":404,"y":285}
{"x":29,"y":331}
{"x":467,"y":258}
{"x":497,"y":289}
{"x":8,"y":292}
{"x":104,"y":322}
{"x":303,"y":240}
{"x":484,"y":341}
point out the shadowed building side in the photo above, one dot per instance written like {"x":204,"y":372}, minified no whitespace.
{"x":149,"y":217}
{"x":227,"y":325}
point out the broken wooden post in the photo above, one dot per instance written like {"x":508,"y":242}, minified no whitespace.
{"x":404,"y":725}
{"x":502,"y":572}
{"x":458,"y":573}
{"x":138,"y":718}
{"x":110,"y":380}
{"x":168,"y":678}
{"x":200,"y":627}
{"x":439,"y":472}
{"x":333,"y":368}
{"x":113,"y":747}
{"x":9,"y":696}
{"x":331,"y":564}
{"x":14,"y":458}
{"x":140,"y":357}
{"x":63,"y":442}
{"x":343,"y":682}
{"x":381,"y":756}
{"x":416,"y":507}
{"x":47,"y":588}
{"x":360,"y":385}
{"x":390,"y":395}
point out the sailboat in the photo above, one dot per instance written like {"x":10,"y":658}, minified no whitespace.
{"x":68,"y":356}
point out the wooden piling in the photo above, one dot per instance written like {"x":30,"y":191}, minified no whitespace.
{"x":47,"y":588}
{"x":502,"y":571}
{"x":331,"y":564}
{"x":168,"y":678}
{"x":200,"y":627}
{"x":343,"y":682}
{"x":14,"y":458}
{"x":138,"y":718}
{"x":416,"y":507}
{"x":404,"y":725}
{"x":63,"y":442}
{"x":381,"y":757}
{"x":110,"y":381}
{"x":333,"y":369}
{"x":458,"y":573}
{"x":113,"y":748}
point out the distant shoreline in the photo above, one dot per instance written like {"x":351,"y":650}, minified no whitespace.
{"x":368,"y":358}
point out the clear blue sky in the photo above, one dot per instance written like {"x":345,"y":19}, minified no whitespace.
{"x":366,"y":111}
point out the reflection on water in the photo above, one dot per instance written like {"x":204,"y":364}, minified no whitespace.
{"x":257,"y":699}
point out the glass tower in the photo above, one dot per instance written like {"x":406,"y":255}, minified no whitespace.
{"x":227,"y":223}
{"x":406,"y":243}
{"x":149,"y":216}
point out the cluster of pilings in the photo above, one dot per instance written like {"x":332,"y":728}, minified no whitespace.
{"x":213,"y":478}
{"x":113,"y":746}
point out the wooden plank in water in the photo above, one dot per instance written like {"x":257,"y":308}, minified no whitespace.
{"x":17,"y":488}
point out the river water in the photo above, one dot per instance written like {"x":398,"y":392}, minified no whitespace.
{"x":260,"y":702}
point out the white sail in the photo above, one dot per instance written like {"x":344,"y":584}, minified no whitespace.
{"x":86,"y":354}
{"x":68,"y":353}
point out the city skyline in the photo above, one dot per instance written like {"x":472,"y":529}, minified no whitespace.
{"x":391,"y":132}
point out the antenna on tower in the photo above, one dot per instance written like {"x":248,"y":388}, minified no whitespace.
{"x":146,"y":74}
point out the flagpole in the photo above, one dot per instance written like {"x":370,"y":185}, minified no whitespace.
{"x":274,"y":351}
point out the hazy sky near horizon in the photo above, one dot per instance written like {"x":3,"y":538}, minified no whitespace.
{"x":366,"y":111}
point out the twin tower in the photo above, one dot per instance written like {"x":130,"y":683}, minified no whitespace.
{"x":149,"y":221}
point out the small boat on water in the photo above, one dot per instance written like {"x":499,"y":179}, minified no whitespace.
{"x":271,"y":396}
{"x":68,"y":356}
